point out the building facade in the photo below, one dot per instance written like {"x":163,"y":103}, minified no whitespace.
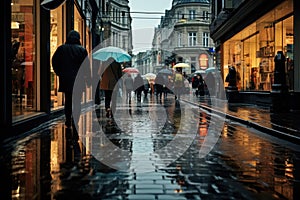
{"x":115,"y":23}
{"x":248,"y":35}
{"x":184,"y":34}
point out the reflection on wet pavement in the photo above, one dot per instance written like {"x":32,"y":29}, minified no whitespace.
{"x":61,"y":163}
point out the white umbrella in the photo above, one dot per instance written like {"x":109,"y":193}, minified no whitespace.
{"x":112,"y":52}
{"x":181,"y":65}
{"x":150,"y":75}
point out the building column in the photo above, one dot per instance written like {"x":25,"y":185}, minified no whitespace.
{"x":5,"y":66}
{"x":296,"y":45}
{"x":294,"y":98}
{"x":70,"y":15}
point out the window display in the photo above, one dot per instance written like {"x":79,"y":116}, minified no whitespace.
{"x":23,"y":61}
{"x":56,"y":39}
{"x":252,"y":50}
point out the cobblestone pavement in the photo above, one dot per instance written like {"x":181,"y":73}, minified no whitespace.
{"x":55,"y":162}
{"x":284,"y":125}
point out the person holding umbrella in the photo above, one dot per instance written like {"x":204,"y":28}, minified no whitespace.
{"x":110,"y":72}
{"x":128,"y":82}
{"x":138,"y":86}
{"x":178,"y":83}
{"x":109,"y":79}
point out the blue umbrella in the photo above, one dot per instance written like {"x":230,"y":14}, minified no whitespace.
{"x":210,"y":69}
{"x":112,"y":52}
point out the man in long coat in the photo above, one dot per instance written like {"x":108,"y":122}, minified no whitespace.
{"x":66,"y":62}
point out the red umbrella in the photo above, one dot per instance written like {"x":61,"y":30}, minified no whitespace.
{"x":131,"y":70}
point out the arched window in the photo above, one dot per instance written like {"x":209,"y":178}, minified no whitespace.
{"x":203,"y":61}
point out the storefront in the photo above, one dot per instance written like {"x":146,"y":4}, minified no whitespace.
{"x":31,"y":34}
{"x":58,"y":37}
{"x":251,"y":51}
{"x":24,"y":58}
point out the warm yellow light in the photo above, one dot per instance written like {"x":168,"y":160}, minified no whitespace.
{"x":15,"y":25}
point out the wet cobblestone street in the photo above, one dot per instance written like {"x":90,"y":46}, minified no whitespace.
{"x":151,"y":150}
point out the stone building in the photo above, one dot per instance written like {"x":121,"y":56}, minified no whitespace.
{"x":183,"y":35}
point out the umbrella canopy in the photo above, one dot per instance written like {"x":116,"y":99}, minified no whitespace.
{"x":201,"y":72}
{"x":210,"y":69}
{"x":117,"y":53}
{"x":150,"y":75}
{"x":181,"y":65}
{"x":131,"y":70}
{"x":51,"y":4}
{"x":166,"y":72}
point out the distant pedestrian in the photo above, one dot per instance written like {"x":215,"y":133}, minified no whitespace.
{"x":109,"y":79}
{"x":178,"y":83}
{"x":66,"y":62}
{"x":199,"y":85}
{"x":159,"y":85}
{"x":138,"y":86}
{"x":128,"y":82}
{"x":146,"y":87}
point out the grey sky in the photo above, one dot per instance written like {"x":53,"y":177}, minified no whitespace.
{"x":143,"y":29}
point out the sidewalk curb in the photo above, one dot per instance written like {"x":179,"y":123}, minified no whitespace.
{"x":273,"y":132}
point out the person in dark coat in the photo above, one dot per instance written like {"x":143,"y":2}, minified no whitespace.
{"x":138,"y":86}
{"x":109,"y":80}
{"x":128,"y":82}
{"x":146,"y":87}
{"x":66,"y":62}
{"x":159,"y":85}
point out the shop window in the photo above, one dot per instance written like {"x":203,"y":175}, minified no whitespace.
{"x":56,"y":39}
{"x":252,"y":50}
{"x":23,"y":69}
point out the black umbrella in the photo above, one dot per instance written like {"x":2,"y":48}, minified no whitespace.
{"x":166,"y":72}
{"x":51,"y":4}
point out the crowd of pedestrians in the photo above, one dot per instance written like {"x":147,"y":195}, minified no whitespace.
{"x":69,"y":58}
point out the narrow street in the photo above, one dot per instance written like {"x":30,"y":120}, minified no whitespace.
{"x":151,"y":150}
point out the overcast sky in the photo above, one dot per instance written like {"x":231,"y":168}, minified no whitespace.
{"x":143,"y":29}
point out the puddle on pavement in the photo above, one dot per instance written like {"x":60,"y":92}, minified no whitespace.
{"x":54,"y":165}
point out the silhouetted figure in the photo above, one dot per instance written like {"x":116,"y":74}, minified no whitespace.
{"x":231,"y":77}
{"x":279,"y":73}
{"x":110,"y":77}
{"x":66,"y":62}
{"x":138,"y":86}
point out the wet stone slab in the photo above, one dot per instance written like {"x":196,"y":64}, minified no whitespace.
{"x":243,"y":164}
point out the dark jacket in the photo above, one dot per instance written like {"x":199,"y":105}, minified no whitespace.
{"x":138,"y":83}
{"x":67,"y":60}
{"x":111,"y":75}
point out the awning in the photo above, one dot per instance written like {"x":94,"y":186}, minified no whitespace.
{"x":51,"y":4}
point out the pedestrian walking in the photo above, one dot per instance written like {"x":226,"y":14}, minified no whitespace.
{"x":146,"y":87}
{"x":109,"y":79}
{"x":138,"y":86}
{"x":198,"y":85}
{"x":66,"y":62}
{"x":159,"y":85}
{"x":178,"y":83}
{"x":128,"y":82}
